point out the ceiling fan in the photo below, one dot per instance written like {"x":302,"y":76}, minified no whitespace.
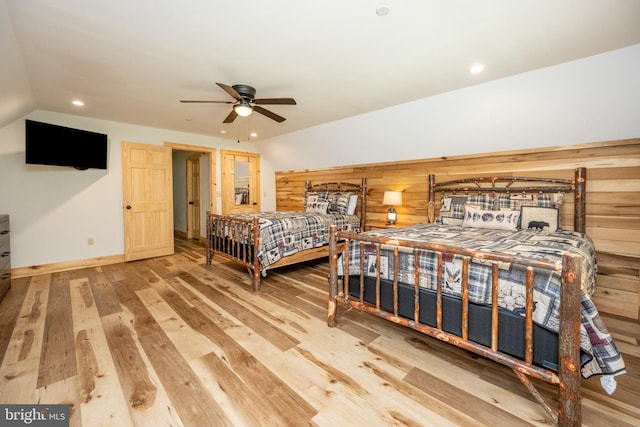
{"x":245,"y":103}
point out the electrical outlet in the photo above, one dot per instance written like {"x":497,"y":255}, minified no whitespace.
{"x":90,"y":241}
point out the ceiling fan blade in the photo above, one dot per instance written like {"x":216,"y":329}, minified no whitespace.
{"x":231,"y":91}
{"x":231,"y":117}
{"x":273,"y":101}
{"x":208,"y":102}
{"x":268,"y":113}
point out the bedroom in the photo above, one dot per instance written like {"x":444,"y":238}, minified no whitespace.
{"x":578,"y":102}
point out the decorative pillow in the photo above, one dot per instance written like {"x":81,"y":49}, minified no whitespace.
{"x":514,"y":201}
{"x":452,"y":208}
{"x":338,"y":202}
{"x":317,"y":207}
{"x":496,"y":220}
{"x":353,"y":201}
{"x":539,"y":218}
{"x":314,"y":197}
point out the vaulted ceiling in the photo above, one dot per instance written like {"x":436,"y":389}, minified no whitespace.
{"x":133,"y":61}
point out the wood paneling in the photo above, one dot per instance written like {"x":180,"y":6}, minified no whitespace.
{"x":613,"y":199}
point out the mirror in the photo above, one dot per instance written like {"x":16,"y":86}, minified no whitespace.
{"x":241,"y":182}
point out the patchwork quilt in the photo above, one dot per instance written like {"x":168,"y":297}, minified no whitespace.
{"x":284,"y":233}
{"x":595,"y":338}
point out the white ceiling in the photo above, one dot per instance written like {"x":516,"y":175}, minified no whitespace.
{"x":133,"y":60}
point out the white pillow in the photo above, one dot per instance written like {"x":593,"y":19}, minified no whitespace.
{"x":317,"y":207}
{"x":353,"y":201}
{"x":538,"y":218}
{"x":496,"y":220}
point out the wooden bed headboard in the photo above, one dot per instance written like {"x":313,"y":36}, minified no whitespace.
{"x":516,"y":184}
{"x":344,"y":187}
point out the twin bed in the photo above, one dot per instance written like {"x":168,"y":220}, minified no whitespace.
{"x":266,"y":240}
{"x":494,"y":274}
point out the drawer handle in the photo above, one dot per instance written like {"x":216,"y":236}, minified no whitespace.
{"x":4,"y":232}
{"x":4,"y":254}
{"x":6,"y":276}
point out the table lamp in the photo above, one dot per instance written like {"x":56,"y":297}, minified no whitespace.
{"x":393,"y":198}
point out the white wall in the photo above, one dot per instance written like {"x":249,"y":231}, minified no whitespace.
{"x":588,"y":100}
{"x":55,"y":209}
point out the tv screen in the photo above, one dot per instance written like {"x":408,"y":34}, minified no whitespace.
{"x":48,"y":144}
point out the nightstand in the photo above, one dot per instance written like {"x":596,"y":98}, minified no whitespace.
{"x":376,"y":225}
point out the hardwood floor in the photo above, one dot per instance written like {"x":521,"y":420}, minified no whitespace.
{"x":170,"y":341}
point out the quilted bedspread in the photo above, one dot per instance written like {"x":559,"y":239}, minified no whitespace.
{"x":595,"y":338}
{"x":284,"y":233}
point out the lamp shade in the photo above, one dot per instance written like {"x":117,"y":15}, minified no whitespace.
{"x":393,"y":198}
{"x":243,"y":109}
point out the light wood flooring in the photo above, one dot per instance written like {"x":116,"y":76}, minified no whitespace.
{"x":171,"y":342}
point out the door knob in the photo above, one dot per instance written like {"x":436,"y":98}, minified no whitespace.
{"x":128,"y":206}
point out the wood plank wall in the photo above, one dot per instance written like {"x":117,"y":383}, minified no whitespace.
{"x":613,"y":199}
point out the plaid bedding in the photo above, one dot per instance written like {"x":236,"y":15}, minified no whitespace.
{"x":284,"y":233}
{"x":595,"y":339}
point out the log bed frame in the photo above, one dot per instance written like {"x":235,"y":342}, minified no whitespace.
{"x":567,"y":378}
{"x":232,"y":245}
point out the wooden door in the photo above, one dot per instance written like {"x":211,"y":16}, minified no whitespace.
{"x":193,"y":196}
{"x":148,"y":201}
{"x":240,"y":181}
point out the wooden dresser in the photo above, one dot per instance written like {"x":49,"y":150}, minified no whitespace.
{"x":5,"y":256}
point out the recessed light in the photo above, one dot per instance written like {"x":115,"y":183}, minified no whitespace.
{"x":382,"y":11}
{"x":223,"y":132}
{"x":77,"y":103}
{"x":253,"y":134}
{"x":476,"y":68}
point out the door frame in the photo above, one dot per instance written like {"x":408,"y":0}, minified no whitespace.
{"x":227,"y":181}
{"x":211,"y":151}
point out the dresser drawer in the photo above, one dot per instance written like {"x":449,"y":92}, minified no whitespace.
{"x":4,"y":231}
{"x":5,"y":256}
{"x":5,"y":264}
{"x":5,"y":285}
{"x":5,"y":275}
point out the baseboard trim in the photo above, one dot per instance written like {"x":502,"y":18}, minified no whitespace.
{"x":57,"y":267}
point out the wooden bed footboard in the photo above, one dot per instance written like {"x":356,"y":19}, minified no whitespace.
{"x":567,"y":378}
{"x":234,"y":239}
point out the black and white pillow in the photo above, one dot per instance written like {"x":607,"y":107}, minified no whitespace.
{"x":452,"y":207}
{"x":315,"y":197}
{"x":514,"y":201}
{"x":496,"y":220}
{"x":339,"y":203}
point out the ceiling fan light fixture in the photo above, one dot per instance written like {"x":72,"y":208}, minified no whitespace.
{"x":243,"y":109}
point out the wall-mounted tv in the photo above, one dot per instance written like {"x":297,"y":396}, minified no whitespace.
{"x":48,"y":144}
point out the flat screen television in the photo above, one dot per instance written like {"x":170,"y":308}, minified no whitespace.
{"x":48,"y":144}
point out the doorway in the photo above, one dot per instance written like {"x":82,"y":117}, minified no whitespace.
{"x":194,"y":189}
{"x":193,"y":197}
{"x":149,"y":199}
